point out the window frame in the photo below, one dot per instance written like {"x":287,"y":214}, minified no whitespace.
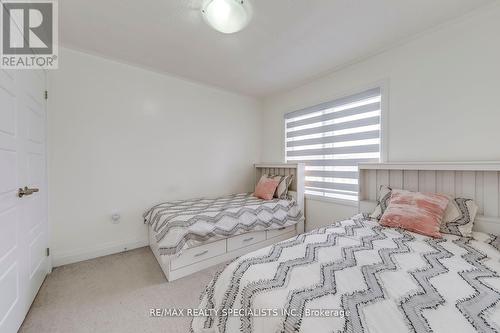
{"x":384,"y":135}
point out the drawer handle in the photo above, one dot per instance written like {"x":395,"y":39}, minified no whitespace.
{"x":201,"y":253}
{"x":282,"y":228}
{"x":248,"y":239}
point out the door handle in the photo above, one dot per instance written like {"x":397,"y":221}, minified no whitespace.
{"x":26,"y":191}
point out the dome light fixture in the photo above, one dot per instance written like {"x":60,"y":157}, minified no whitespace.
{"x":227,"y":16}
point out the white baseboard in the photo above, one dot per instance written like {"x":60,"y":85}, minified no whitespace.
{"x":64,"y":258}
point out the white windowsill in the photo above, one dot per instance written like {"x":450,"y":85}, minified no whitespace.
{"x":332,"y":200}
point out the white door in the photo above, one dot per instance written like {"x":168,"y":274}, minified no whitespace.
{"x":23,"y":220}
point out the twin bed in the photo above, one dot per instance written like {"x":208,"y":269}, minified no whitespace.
{"x":190,"y":235}
{"x":359,"y":276}
{"x":364,"y":277}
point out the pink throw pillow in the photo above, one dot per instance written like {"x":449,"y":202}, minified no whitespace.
{"x":414,"y":211}
{"x":266,"y":187}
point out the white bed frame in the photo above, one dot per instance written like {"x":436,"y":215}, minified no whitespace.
{"x":204,"y":256}
{"x":479,"y":181}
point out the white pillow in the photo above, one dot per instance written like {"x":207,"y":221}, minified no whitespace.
{"x":383,"y":198}
{"x":459,"y":217}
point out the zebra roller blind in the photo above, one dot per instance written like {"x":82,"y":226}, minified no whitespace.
{"x":332,"y":138}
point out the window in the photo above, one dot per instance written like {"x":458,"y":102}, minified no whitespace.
{"x":331,"y":139}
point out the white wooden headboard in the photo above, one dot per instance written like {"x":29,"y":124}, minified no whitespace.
{"x":479,"y":181}
{"x":284,"y":169}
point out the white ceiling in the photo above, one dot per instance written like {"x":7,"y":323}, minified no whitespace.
{"x":287,"y":42}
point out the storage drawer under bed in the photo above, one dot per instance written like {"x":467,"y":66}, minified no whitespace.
{"x":199,"y":253}
{"x":246,"y":239}
{"x":280,"y":231}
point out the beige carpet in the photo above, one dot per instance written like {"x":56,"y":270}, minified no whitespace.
{"x":113,"y":294}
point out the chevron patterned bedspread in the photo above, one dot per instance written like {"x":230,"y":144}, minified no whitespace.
{"x":364,"y":277}
{"x":183,"y":224}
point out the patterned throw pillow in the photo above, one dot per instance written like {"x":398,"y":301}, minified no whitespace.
{"x":384,"y":196}
{"x":459,"y":217}
{"x":284,"y":183}
{"x":265,"y":188}
{"x":414,"y":211}
{"x":494,"y":241}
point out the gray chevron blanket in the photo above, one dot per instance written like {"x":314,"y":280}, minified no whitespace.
{"x":357,"y":276}
{"x":184,"y":224}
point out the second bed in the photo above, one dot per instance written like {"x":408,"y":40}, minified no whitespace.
{"x":189,"y":235}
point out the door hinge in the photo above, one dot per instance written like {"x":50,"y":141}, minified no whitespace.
{"x":46,"y":94}
{"x":47,"y":251}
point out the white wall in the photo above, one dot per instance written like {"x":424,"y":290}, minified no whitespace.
{"x":123,"y":138}
{"x":443,"y":99}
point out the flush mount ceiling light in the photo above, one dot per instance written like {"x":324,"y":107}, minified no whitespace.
{"x":227,"y":16}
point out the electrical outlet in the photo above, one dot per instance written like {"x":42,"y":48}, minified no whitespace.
{"x":115,"y":217}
